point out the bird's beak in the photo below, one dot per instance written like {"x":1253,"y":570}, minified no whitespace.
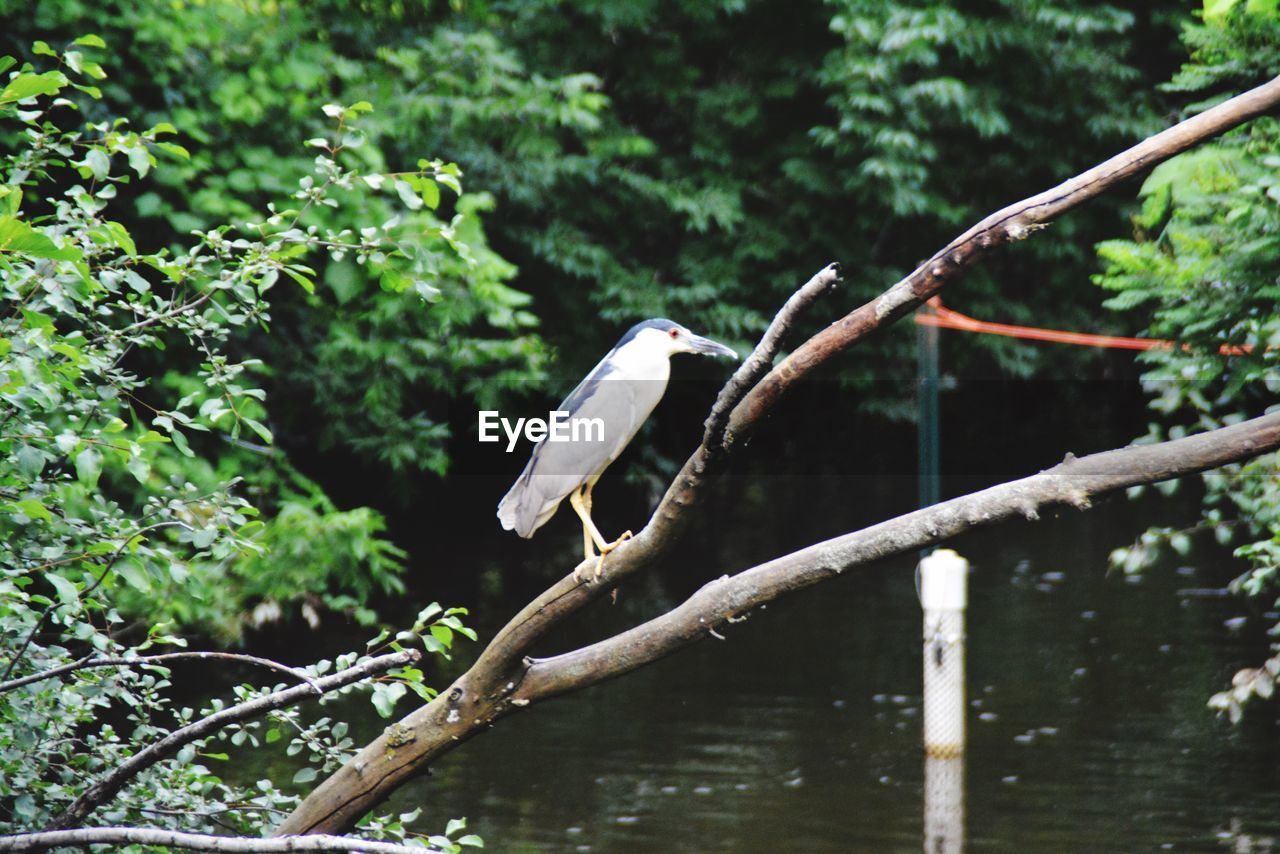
{"x":707,"y":347}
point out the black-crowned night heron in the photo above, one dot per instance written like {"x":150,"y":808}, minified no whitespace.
{"x":610,"y":405}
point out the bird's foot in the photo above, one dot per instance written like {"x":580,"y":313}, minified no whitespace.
{"x":608,"y":547}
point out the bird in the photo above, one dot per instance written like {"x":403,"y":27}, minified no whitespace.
{"x":621,"y":391}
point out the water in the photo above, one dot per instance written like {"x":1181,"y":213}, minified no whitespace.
{"x":800,"y":731}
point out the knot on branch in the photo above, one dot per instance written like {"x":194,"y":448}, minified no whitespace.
{"x":398,"y":735}
{"x":1018,"y":230}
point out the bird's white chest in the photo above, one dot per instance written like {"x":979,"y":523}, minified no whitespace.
{"x":636,"y":362}
{"x":640,"y":377}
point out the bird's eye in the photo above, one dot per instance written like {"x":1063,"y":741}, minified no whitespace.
{"x":674,"y":333}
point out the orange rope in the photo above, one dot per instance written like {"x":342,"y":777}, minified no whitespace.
{"x":945,"y":318}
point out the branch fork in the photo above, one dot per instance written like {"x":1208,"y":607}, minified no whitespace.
{"x":505,"y":679}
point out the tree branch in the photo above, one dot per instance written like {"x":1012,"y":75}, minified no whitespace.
{"x":1073,"y":482}
{"x":455,"y":716}
{"x":761,"y":359}
{"x":88,"y":662}
{"x":110,"y":785}
{"x":492,"y":687}
{"x":1012,"y":223}
{"x":47,"y":839}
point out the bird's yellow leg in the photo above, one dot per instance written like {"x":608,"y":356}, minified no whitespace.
{"x":583,"y":494}
{"x":604,"y":547}
{"x":580,"y":500}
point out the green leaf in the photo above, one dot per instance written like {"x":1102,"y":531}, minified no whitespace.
{"x":304,"y":775}
{"x":17,"y":236}
{"x":41,"y":48}
{"x":139,"y":160}
{"x":261,"y":429}
{"x":139,"y":468}
{"x":30,"y":85}
{"x":472,"y":840}
{"x":89,"y":466}
{"x":411,"y":199}
{"x":31,"y":461}
{"x":1215,"y":9}
{"x":385,"y":695}
{"x":120,"y":236}
{"x":94,"y":70}
{"x":67,"y":590}
{"x":90,"y":40}
{"x":393,"y":281}
{"x":99,"y":163}
{"x":430,"y":192}
{"x":454,"y":825}
{"x":444,"y":634}
{"x":361,"y":107}
{"x":180,"y":442}
{"x":174,"y":149}
{"x":307,"y":285}
{"x":33,"y":509}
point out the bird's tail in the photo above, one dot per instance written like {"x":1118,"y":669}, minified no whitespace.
{"x":518,"y":509}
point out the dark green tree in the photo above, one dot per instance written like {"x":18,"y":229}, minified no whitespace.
{"x":1201,"y":271}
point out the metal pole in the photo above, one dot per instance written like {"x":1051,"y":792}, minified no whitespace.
{"x":929,"y":445}
{"x":944,"y":594}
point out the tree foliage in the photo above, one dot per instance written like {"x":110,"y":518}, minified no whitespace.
{"x":678,"y":159}
{"x":139,"y":489}
{"x":1202,"y":266}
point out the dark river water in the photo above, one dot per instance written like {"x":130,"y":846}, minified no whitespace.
{"x":801,"y":731}
{"x":1088,"y":725}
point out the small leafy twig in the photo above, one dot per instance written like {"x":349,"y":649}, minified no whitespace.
{"x":106,"y":788}
{"x":88,"y":662}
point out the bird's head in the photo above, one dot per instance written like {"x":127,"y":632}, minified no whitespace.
{"x":668,"y":337}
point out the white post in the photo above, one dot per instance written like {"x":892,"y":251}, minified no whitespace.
{"x":944,"y":595}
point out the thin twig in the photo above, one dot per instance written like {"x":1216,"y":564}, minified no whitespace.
{"x":106,"y":788}
{"x":154,"y":660}
{"x":44,"y":840}
{"x":761,"y":359}
{"x":17,"y":656}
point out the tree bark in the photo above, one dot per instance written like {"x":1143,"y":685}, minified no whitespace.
{"x":503,"y":680}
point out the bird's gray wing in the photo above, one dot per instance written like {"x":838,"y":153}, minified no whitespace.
{"x":556,"y":469}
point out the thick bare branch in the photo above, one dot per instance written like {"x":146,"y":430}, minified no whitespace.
{"x":1014,"y":222}
{"x":493,"y":686}
{"x":116,"y":779}
{"x":89,"y":662}
{"x":455,"y":716}
{"x":1074,"y":483}
{"x":47,"y":839}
